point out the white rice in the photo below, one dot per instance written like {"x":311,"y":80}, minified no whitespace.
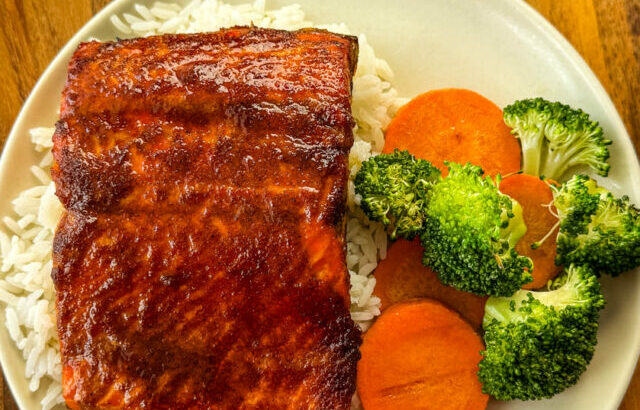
{"x":26,"y":287}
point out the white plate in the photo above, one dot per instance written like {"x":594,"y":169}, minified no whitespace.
{"x":500,"y":48}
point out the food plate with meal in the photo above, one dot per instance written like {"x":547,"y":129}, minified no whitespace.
{"x":319,"y":205}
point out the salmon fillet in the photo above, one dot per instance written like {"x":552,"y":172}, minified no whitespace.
{"x":200,"y":262}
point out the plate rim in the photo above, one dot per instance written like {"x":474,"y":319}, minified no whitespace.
{"x":543,"y":26}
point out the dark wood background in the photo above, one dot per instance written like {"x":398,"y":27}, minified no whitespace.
{"x":605,"y":32}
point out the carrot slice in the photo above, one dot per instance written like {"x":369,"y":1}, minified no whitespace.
{"x":402,"y":276}
{"x":533,"y":195}
{"x":455,"y":125}
{"x":420,"y":355}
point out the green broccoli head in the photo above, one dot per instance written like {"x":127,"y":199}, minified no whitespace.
{"x":539,"y":343}
{"x":470,"y":233}
{"x":596,"y":228}
{"x":393,"y":190}
{"x":528,"y":119}
{"x":555,"y":137}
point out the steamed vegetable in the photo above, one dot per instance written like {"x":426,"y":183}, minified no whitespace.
{"x":468,"y":228}
{"x":471,"y":230}
{"x":536,"y":197}
{"x":490,"y":236}
{"x":539,"y":343}
{"x":596,"y":229}
{"x":555,"y":137}
{"x":401,"y":276}
{"x":420,"y":355}
{"x":455,"y":125}
{"x":393,"y":190}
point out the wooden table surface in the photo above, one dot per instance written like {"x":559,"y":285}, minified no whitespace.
{"x":605,"y":32}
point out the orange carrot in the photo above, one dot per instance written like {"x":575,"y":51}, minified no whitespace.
{"x":402,"y":276}
{"x":455,"y":125}
{"x":533,"y":195}
{"x":420,"y":355}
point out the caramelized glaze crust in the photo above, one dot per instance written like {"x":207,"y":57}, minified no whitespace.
{"x":201,"y":260}
{"x":194,"y":111}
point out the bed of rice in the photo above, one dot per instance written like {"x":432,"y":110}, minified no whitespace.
{"x":26,"y":287}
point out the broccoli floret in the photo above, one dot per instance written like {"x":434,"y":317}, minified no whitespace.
{"x":596,"y":228}
{"x":470,"y":233}
{"x":393,"y":189}
{"x":539,"y":343}
{"x":555,"y":137}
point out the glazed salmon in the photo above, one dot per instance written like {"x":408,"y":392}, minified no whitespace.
{"x":200,"y":262}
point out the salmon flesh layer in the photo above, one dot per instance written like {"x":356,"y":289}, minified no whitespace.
{"x":200,"y":262}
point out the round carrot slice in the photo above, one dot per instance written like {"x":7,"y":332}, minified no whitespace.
{"x":535,"y":195}
{"x":455,"y":125}
{"x":420,"y":355}
{"x":402,"y":276}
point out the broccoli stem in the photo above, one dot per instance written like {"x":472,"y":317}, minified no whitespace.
{"x":559,"y":160}
{"x":531,"y":148}
{"x":516,"y":228}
